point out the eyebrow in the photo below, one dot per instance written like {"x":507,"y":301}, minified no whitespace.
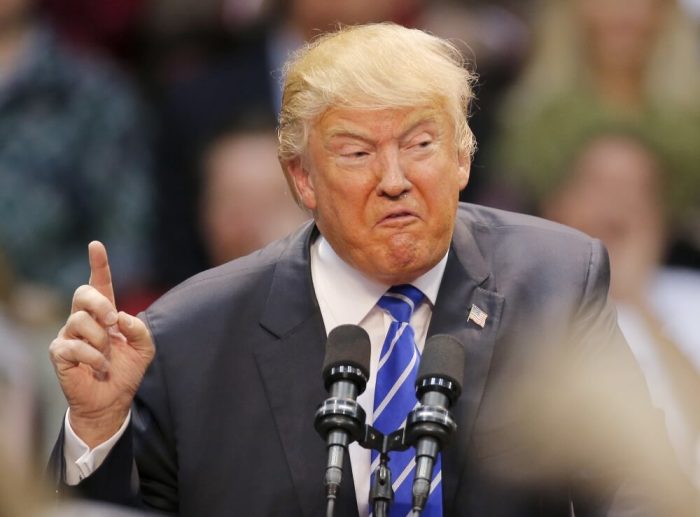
{"x":348,"y":133}
{"x":429,"y":117}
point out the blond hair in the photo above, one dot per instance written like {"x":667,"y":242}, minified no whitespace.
{"x":372,"y":67}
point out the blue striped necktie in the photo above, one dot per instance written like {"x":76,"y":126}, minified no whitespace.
{"x":395,"y":397}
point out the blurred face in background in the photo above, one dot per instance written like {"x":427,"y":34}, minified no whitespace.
{"x":613,"y":193}
{"x":620,"y":34}
{"x":245,"y":201}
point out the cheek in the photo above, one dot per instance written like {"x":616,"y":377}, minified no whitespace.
{"x":346,"y":193}
{"x":444,"y":190}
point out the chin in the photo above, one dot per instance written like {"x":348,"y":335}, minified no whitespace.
{"x":399,"y":259}
{"x":405,"y":269}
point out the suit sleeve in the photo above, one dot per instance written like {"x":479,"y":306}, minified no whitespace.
{"x":154,"y":440}
{"x":141,"y":469}
{"x":114,"y":481}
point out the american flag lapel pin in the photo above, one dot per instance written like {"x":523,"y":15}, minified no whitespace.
{"x":477,"y":315}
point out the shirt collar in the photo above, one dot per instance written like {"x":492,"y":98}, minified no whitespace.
{"x":346,"y":295}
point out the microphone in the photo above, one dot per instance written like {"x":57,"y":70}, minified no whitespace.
{"x":438,"y":384}
{"x":340,"y":419}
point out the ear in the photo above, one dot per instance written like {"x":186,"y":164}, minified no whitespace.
{"x":303,"y":183}
{"x":463,"y":170}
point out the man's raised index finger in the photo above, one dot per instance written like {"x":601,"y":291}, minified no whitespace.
{"x":100,"y":275}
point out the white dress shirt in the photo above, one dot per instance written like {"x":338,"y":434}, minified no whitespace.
{"x":345,"y":296}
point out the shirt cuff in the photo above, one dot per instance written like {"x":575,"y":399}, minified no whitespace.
{"x":80,"y":460}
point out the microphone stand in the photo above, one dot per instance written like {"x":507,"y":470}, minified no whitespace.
{"x":382,"y":494}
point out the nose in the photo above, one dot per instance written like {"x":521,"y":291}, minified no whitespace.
{"x":392,"y":177}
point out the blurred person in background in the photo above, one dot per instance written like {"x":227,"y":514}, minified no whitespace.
{"x":616,"y":190}
{"x":597,"y":62}
{"x":245,"y":201}
{"x":75,"y":159}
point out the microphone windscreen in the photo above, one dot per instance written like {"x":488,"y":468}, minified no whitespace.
{"x":348,"y":345}
{"x":443,"y":356}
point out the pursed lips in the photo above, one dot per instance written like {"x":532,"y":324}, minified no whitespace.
{"x":398,"y":217}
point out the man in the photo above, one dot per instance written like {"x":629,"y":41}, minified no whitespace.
{"x":375,"y":143}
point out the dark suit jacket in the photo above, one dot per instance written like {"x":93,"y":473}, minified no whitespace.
{"x":223,"y":421}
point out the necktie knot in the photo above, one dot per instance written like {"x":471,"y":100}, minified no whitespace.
{"x":400,"y":301}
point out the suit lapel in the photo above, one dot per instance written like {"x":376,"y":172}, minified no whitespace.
{"x":290,"y":366}
{"x":466,"y":282}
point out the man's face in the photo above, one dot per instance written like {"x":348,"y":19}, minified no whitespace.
{"x":383,"y":186}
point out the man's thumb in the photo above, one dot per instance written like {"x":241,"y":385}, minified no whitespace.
{"x":135,"y":332}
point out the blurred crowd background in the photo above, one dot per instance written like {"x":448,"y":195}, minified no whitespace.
{"x":150,"y":125}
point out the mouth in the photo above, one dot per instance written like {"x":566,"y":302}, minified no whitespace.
{"x":398,"y":218}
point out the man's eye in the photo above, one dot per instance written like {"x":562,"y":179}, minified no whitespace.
{"x":422,"y":144}
{"x":356,"y":154}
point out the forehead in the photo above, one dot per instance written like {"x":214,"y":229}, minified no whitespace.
{"x":378,"y":124}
